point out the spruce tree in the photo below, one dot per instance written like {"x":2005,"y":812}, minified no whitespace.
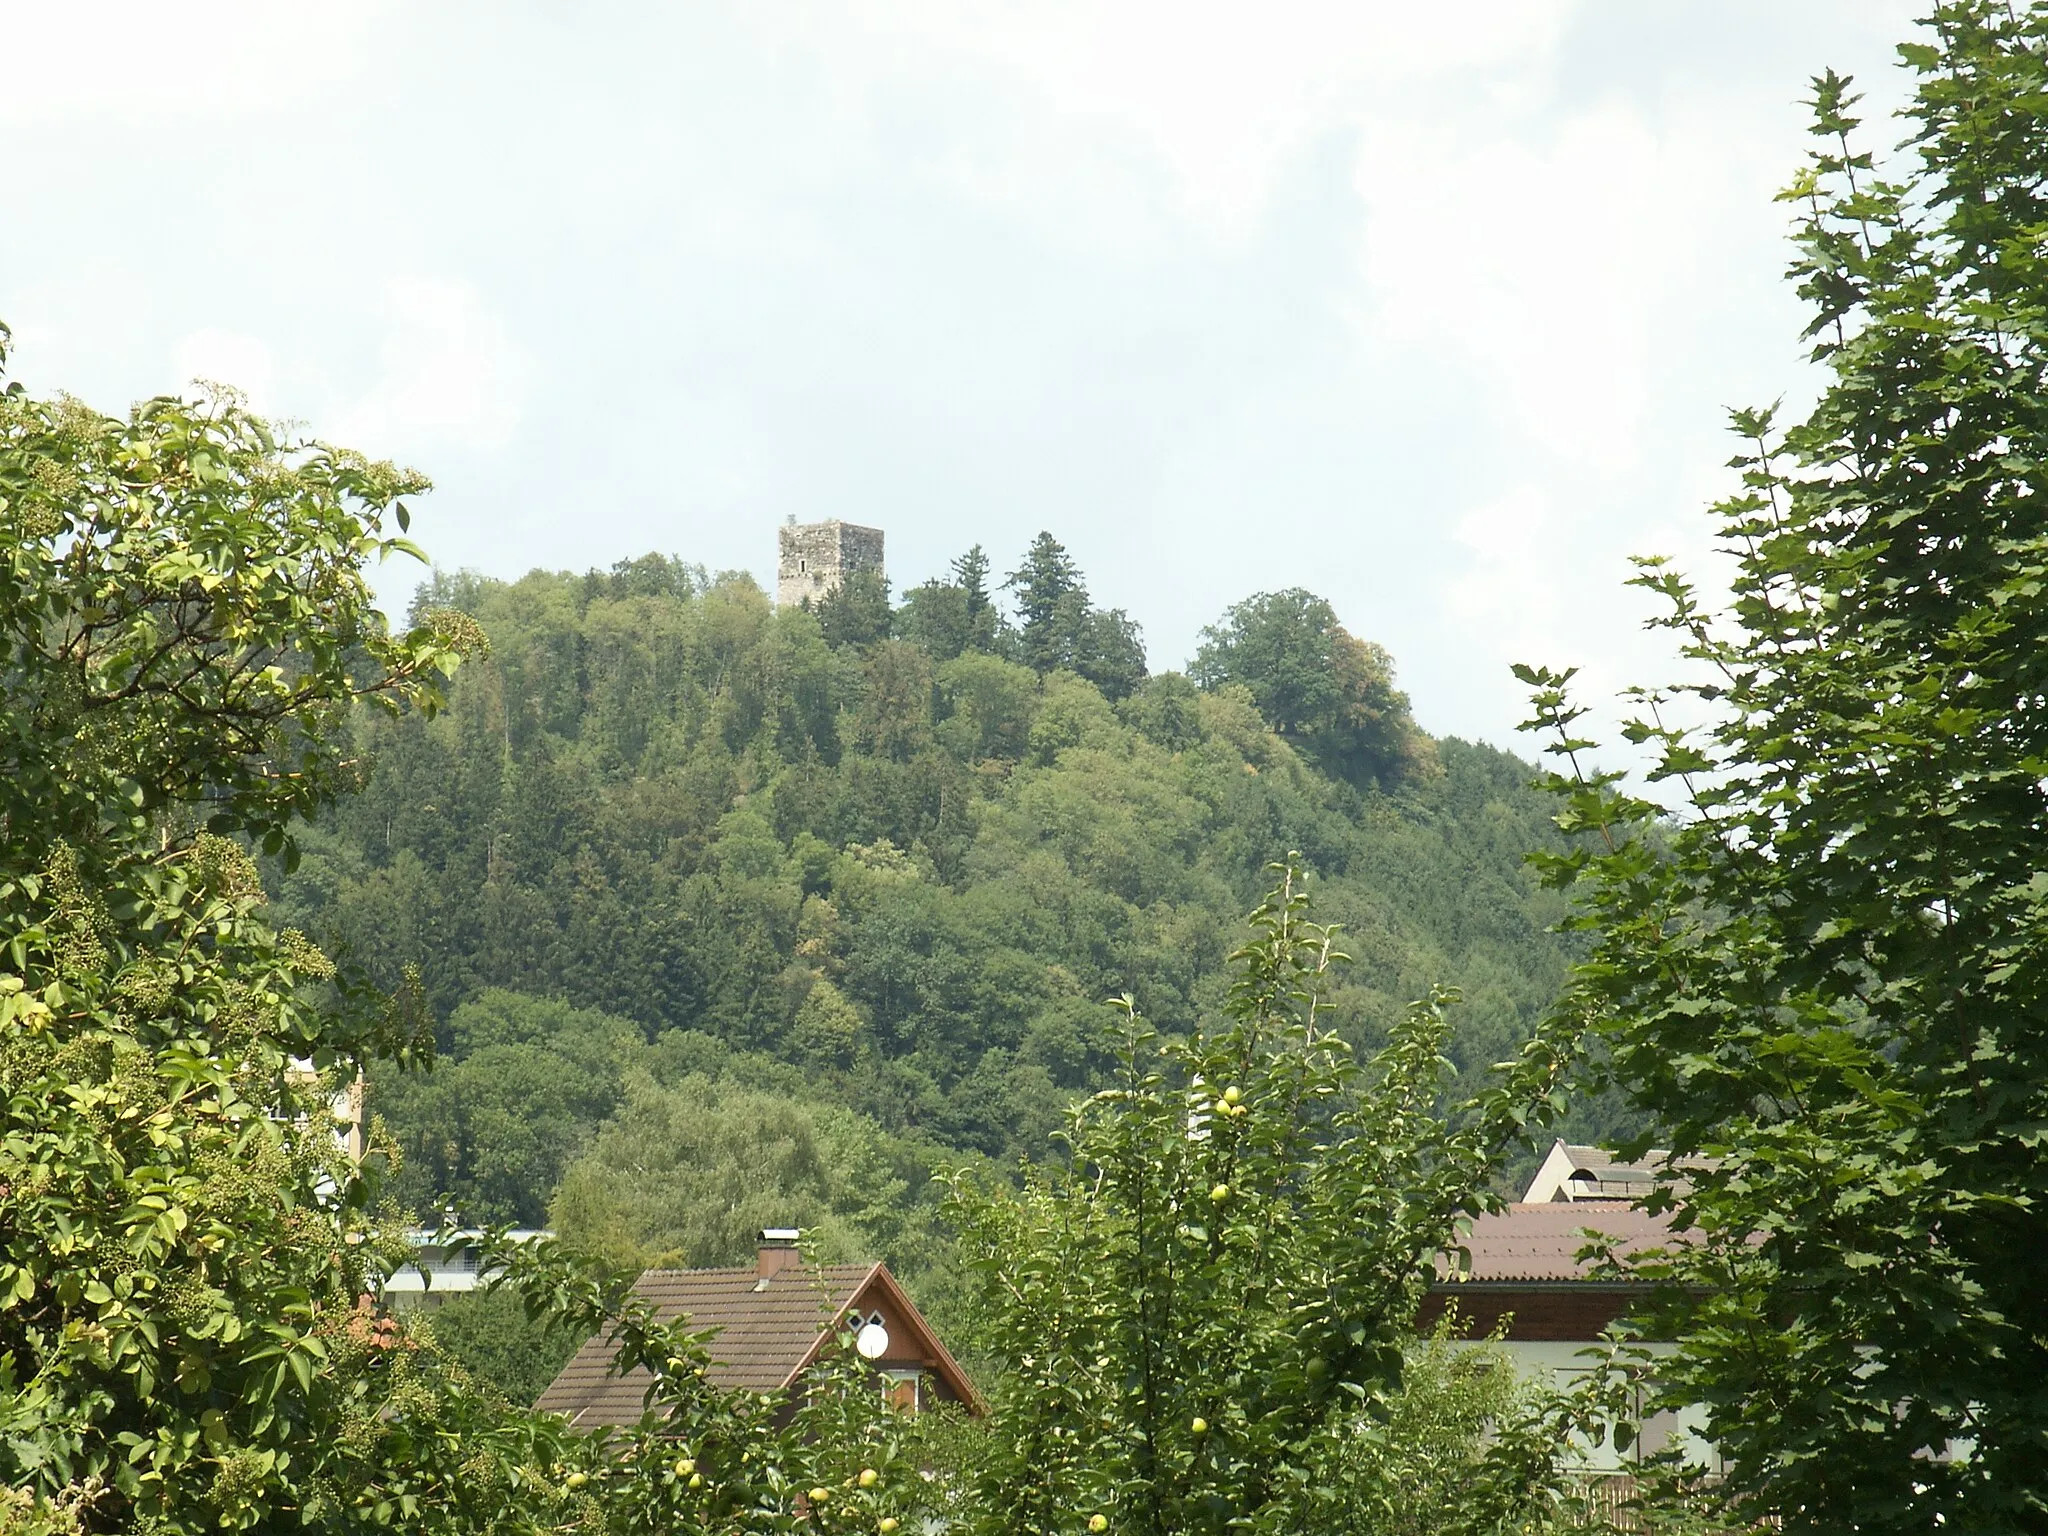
{"x":1049,"y":590}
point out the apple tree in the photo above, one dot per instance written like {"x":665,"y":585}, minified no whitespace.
{"x":1201,"y":1311}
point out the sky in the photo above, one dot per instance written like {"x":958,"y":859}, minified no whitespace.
{"x":1434,"y":309}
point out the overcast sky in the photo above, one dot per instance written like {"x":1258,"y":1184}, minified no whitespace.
{"x":1433,"y":308}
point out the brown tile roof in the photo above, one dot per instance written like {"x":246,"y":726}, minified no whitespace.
{"x":767,"y":1331}
{"x":1540,"y":1243}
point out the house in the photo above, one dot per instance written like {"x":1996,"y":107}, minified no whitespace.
{"x":1520,"y":1273}
{"x":443,"y":1265}
{"x":345,"y":1104}
{"x":1522,"y":1264}
{"x":772,"y":1320}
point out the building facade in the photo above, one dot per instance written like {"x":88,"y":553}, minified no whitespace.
{"x":1518,"y":1278}
{"x":443,"y":1265}
{"x":813,"y":558}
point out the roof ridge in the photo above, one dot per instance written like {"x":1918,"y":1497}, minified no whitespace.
{"x":865,"y":1267}
{"x":818,"y":1344}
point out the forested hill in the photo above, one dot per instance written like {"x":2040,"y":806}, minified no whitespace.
{"x":886,"y":859}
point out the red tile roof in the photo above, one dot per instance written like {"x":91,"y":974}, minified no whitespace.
{"x":1541,"y":1242}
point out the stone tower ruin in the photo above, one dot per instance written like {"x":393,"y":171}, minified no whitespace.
{"x":816,"y":557}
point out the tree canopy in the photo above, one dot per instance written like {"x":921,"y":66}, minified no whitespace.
{"x":1057,"y":627}
{"x":1823,"y":978}
{"x":1318,"y":686}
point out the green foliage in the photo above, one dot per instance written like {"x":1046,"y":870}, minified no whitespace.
{"x":1466,"y":1446}
{"x":1049,"y":591}
{"x":991,"y":705}
{"x":182,"y":1246}
{"x":894,"y":720}
{"x":912,"y":878}
{"x":1317,"y":685}
{"x":490,"y":1336}
{"x":524,"y":1085}
{"x":934,"y":618}
{"x":1200,"y":1312}
{"x":687,"y":1175}
{"x":185,"y":622}
{"x":855,"y":612}
{"x":1166,"y":711}
{"x":1059,"y":630}
{"x":949,"y":619}
{"x":1825,"y":983}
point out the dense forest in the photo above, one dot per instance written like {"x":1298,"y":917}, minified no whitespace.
{"x":729,"y":915}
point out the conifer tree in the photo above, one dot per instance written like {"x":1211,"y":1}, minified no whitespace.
{"x":1047,"y":585}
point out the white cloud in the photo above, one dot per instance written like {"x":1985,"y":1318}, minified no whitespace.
{"x":203,"y":58}
{"x":1524,"y":258}
{"x":1563,"y":263}
{"x":1118,"y":116}
{"x":228,"y":357}
{"x":1513,"y":590}
{"x":452,"y":373}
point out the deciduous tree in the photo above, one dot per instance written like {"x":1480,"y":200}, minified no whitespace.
{"x":1826,"y":981}
{"x":1318,"y":685}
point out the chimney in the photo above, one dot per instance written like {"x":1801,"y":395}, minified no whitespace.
{"x":778,"y":1251}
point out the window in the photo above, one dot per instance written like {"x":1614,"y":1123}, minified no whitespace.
{"x":903,"y":1390}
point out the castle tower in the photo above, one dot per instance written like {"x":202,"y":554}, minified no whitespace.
{"x":815,"y":557}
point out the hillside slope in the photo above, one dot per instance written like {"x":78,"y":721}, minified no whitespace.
{"x":897,"y":883}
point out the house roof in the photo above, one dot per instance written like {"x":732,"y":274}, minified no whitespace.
{"x":769,"y":1330}
{"x":1574,"y":1172}
{"x":1540,"y":1243}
